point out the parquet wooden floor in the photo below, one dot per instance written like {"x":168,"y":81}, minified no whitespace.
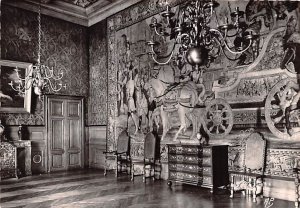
{"x":89,"y":188}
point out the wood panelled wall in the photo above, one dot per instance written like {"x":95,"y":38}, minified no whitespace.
{"x":96,"y":137}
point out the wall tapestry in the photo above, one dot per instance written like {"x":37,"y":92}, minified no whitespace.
{"x":179,"y":101}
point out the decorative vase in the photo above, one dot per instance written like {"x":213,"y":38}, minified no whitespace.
{"x":20,"y":132}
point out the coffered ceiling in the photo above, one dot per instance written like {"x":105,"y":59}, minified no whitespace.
{"x":83,"y":12}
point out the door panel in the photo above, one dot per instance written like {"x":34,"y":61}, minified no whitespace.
{"x":57,"y":161}
{"x":57,"y":108}
{"x":65,"y":129}
{"x":74,"y":131}
{"x":73,"y":109}
{"x":57,"y":132}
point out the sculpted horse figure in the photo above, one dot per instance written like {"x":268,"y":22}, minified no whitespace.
{"x":182,"y":97}
{"x":290,"y":98}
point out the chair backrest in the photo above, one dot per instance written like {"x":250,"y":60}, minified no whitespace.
{"x":150,"y":146}
{"x":123,"y":142}
{"x":255,"y":151}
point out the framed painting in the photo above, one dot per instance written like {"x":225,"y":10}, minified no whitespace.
{"x":11,"y":101}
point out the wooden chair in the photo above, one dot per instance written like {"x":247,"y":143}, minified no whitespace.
{"x":296,"y":170}
{"x":151,"y":159}
{"x":251,"y":177}
{"x":121,"y":155}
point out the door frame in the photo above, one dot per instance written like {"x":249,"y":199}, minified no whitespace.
{"x":48,"y":142}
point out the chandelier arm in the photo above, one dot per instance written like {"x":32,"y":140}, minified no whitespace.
{"x":58,"y":77}
{"x":238,"y":52}
{"x":48,"y":72}
{"x":230,"y":36}
{"x":157,"y":33}
{"x":220,"y":46}
{"x":221,"y":49}
{"x":53,"y":88}
{"x":52,"y":75}
{"x":231,"y":59}
{"x":18,"y":75}
{"x":162,"y":63}
{"x":28,"y":84}
{"x":20,"y":88}
{"x":226,"y":45}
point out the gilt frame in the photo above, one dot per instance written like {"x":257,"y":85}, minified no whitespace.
{"x":19,"y":104}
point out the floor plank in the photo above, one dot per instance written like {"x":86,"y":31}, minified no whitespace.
{"x":89,"y":188}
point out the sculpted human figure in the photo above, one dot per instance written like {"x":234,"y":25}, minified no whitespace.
{"x":130,"y":87}
{"x":291,"y":62}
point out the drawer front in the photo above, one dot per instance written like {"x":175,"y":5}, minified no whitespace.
{"x":185,"y":176}
{"x":207,"y":180}
{"x":194,"y":150}
{"x":207,"y":171}
{"x":185,"y":168}
{"x":207,"y":161}
{"x":191,"y":159}
{"x":207,"y":152}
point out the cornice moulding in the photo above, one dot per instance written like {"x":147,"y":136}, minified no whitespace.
{"x":60,"y":12}
{"x":113,"y":8}
{"x":75,"y":14}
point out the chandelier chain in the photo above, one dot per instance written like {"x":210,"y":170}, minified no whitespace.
{"x":39,"y":36}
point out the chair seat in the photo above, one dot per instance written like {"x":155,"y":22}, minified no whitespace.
{"x":252,"y":175}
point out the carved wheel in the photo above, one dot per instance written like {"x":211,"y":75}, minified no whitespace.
{"x":218,"y":118}
{"x":275,"y":105}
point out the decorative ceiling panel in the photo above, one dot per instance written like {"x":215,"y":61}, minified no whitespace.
{"x":81,"y":3}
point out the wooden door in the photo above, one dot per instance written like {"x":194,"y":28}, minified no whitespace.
{"x":65,"y":133}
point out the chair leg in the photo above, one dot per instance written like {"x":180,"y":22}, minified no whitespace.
{"x":132,"y":172}
{"x":232,"y":187}
{"x":254,"y":189}
{"x":117,"y":167}
{"x":153,"y":172}
{"x":105,"y":167}
{"x":16,"y":173}
{"x":144,"y":175}
{"x":297,"y":191}
{"x":249,"y":187}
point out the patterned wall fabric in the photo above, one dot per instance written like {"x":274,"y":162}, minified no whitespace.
{"x":64,"y":47}
{"x":97,"y":110}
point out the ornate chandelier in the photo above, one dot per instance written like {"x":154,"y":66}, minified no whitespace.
{"x":199,"y":35}
{"x":40,"y":76}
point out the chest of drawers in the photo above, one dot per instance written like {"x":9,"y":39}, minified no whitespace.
{"x":205,"y":166}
